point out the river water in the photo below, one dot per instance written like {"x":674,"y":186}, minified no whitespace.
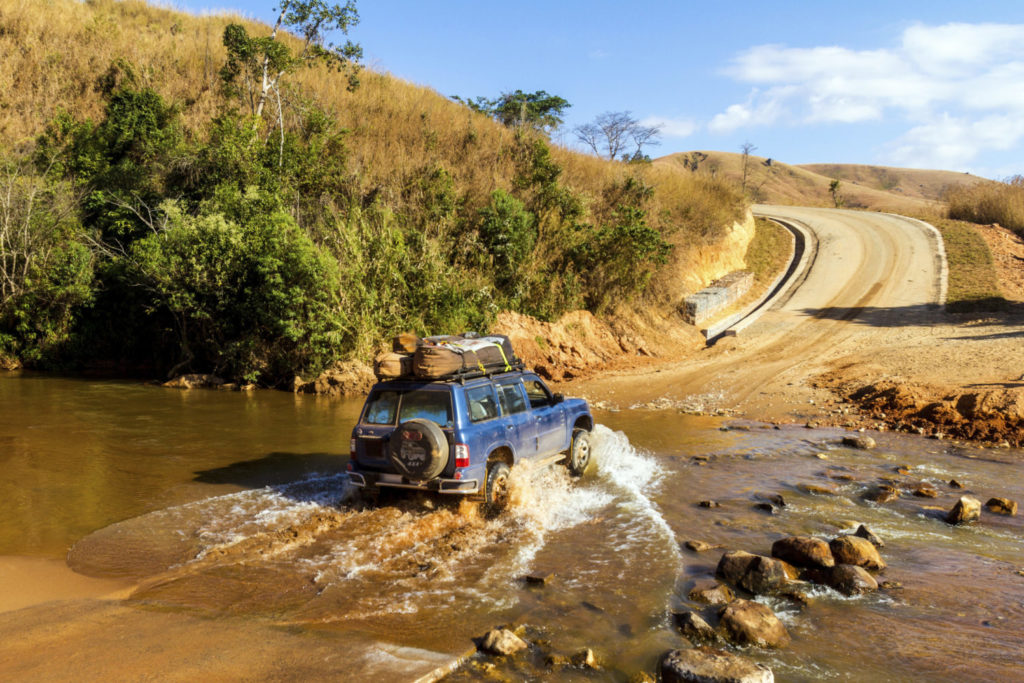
{"x":155,"y":533}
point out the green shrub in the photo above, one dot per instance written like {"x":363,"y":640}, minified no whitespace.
{"x":509,"y":232}
{"x":253,"y":300}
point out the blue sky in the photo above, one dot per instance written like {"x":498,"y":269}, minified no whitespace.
{"x":936,"y":84}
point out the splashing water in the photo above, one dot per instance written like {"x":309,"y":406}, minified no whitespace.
{"x":366,"y":564}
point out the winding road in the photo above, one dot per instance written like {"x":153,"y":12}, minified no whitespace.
{"x":866,"y":279}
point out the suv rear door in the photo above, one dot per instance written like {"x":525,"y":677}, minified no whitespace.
{"x":517,"y":417}
{"x":549,"y":416}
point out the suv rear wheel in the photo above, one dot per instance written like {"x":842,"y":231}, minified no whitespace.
{"x":496,"y":487}
{"x":579,"y":452}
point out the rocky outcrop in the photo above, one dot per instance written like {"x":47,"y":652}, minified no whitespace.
{"x":1002,"y":506}
{"x":705,"y":665}
{"x":994,"y":416}
{"x":856,"y":551}
{"x":803,"y":551}
{"x":194,"y":381}
{"x":744,"y":622}
{"x":966,"y":510}
{"x":347,"y":378}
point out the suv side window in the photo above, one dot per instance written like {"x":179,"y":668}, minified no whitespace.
{"x":511,"y":397}
{"x":482,"y":405}
{"x":537,"y":393}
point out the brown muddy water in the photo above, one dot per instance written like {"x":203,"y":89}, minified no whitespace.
{"x":150,"y":534}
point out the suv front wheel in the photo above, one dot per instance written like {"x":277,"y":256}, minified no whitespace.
{"x":579,"y":452}
{"x":496,"y":487}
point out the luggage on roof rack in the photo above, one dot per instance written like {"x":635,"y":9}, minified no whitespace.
{"x":447,"y":357}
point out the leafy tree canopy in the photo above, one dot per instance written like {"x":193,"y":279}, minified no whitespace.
{"x":539,"y":110}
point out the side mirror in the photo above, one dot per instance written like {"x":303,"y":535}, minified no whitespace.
{"x":558,"y":398}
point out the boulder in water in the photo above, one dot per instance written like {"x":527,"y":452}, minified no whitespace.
{"x":857,"y":551}
{"x":864,"y":532}
{"x":860,"y":441}
{"x":966,"y":510}
{"x":711,"y":666}
{"x":745,"y":622}
{"x":502,"y":642}
{"x":693,"y":626}
{"x":803,"y":551}
{"x":1002,"y":506}
{"x":711,"y":593}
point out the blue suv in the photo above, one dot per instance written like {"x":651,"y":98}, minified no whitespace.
{"x":462,"y":436}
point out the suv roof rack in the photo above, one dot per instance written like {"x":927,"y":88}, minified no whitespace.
{"x":462,"y":376}
{"x":475,"y":373}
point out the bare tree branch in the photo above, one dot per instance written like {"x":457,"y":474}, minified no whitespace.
{"x":612,"y":133}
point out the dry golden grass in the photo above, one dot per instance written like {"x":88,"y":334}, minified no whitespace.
{"x":1001,"y":203}
{"x":879,"y":188}
{"x":55,"y":50}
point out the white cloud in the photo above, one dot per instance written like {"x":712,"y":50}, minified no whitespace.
{"x":760,"y":109}
{"x":953,"y":143}
{"x":958,"y":87}
{"x":672,"y":128}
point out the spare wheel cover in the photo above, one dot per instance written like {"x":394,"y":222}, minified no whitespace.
{"x":419,"y":449}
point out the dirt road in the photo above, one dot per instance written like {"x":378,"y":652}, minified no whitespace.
{"x":863,"y":323}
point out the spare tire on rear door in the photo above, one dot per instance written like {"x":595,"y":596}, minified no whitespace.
{"x":419,"y":449}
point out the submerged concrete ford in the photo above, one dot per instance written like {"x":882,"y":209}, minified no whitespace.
{"x":462,"y":436}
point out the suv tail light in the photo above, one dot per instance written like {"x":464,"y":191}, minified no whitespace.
{"x":352,"y":448}
{"x":461,"y":455}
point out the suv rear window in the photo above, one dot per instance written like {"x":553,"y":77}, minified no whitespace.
{"x":382,"y":407}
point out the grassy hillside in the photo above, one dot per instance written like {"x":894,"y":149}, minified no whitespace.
{"x":880,"y":188}
{"x":168,"y":229}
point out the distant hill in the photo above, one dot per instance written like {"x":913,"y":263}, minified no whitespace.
{"x":881,"y":188}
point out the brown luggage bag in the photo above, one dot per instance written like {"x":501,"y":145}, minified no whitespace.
{"x":392,"y":366}
{"x":444,"y":359}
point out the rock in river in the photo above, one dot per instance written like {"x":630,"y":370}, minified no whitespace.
{"x":860,"y":441}
{"x":755,"y":573}
{"x":857,"y":551}
{"x":867,"y":533}
{"x":1002,"y":506}
{"x":705,"y":665}
{"x":745,"y":622}
{"x":502,"y":642}
{"x":733,"y":566}
{"x":849,"y":579}
{"x":803,"y":551}
{"x":711,"y":593}
{"x":967,"y":509}
{"x":693,"y":626}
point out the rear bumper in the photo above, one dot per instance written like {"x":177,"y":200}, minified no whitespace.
{"x":458,"y":486}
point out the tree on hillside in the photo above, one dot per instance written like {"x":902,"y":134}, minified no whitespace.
{"x":833,"y":189}
{"x":256,"y":65}
{"x":747,"y":147}
{"x":539,"y":110}
{"x":613,"y":134}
